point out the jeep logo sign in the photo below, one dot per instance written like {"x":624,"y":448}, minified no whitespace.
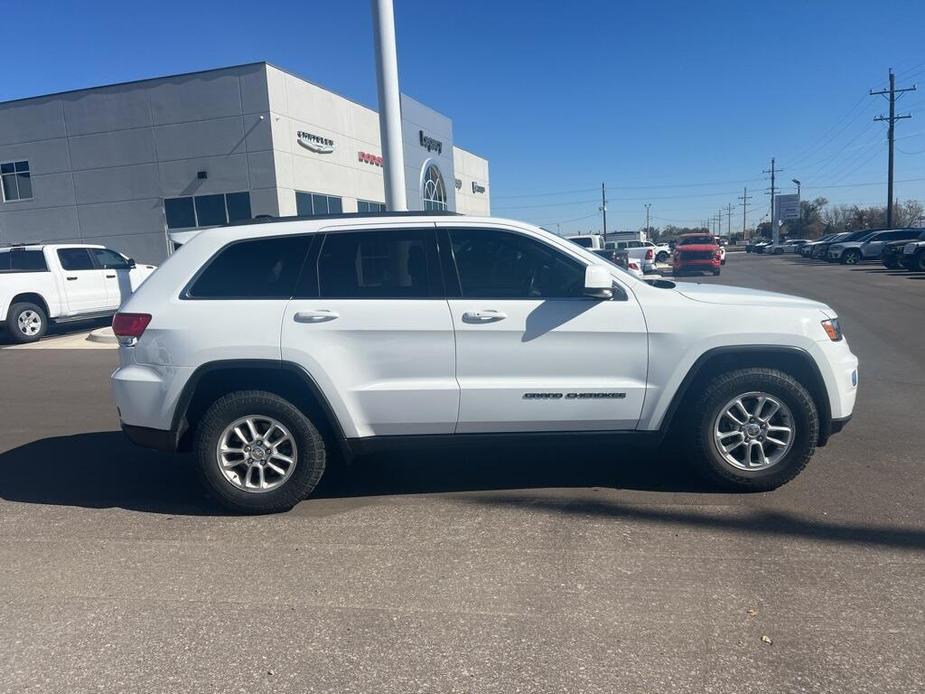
{"x":315,"y":143}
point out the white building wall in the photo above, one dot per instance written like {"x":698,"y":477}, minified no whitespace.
{"x":471,"y":174}
{"x":297,"y":105}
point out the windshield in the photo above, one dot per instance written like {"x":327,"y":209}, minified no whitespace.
{"x":697,"y":240}
{"x":583,"y":241}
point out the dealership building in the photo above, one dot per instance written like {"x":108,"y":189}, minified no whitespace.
{"x":138,"y":166}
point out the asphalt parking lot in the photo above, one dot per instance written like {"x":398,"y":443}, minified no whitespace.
{"x":492,"y":571}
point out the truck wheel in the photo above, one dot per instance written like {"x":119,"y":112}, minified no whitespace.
{"x":662,"y":257}
{"x":26,"y":322}
{"x":258,"y":453}
{"x":752,"y":429}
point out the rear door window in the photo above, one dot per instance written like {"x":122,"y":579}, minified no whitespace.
{"x":75,"y":259}
{"x":393,"y":264}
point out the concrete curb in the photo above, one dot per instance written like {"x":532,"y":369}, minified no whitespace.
{"x":105,"y":335}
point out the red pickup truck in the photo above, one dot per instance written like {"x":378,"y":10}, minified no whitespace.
{"x":698,"y":253}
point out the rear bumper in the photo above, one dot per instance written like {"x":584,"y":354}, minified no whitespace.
{"x":158,"y":439}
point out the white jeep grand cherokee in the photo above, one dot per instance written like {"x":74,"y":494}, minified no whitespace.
{"x":265,"y":347}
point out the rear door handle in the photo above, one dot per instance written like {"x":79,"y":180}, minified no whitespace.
{"x":110,"y":277}
{"x":319,"y":315}
{"x":71,"y":278}
{"x":487,"y":315}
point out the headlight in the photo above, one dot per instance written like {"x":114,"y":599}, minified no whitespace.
{"x":833,"y":329}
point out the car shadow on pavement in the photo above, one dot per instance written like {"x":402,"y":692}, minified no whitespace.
{"x":104,"y":469}
{"x":769,"y":523}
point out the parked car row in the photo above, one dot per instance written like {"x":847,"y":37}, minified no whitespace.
{"x":895,"y":248}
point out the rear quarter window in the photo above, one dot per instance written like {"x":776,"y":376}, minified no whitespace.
{"x":266,"y":268}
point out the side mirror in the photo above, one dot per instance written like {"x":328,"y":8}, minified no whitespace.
{"x":131,"y":262}
{"x":598,"y":282}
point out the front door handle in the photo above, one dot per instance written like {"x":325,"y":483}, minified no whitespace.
{"x":110,"y":277}
{"x":487,"y":315}
{"x":319,"y":315}
{"x":71,"y":278}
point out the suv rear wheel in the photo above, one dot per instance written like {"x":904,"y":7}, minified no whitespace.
{"x":754,"y":429}
{"x":258,"y":453}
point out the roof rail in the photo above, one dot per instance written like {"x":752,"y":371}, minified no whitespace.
{"x":267,"y":219}
{"x":16,"y":244}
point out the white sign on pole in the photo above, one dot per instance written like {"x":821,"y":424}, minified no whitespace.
{"x":788,"y":207}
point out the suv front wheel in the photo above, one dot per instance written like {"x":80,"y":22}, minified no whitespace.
{"x":754,"y":429}
{"x":258,"y":453}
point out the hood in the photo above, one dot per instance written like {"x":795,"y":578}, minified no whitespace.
{"x":847,"y":244}
{"x":741,"y":296}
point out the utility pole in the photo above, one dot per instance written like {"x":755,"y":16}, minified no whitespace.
{"x":648,"y":205}
{"x":891,"y":120}
{"x":744,"y":197}
{"x":604,"y":210}
{"x":775,"y":230}
{"x":729,"y":219}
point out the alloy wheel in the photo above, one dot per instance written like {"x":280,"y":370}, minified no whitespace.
{"x":256,"y":453}
{"x":29,"y":323}
{"x":754,"y":431}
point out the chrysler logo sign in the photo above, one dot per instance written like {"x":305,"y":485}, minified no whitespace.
{"x":315,"y":143}
{"x":430,"y":144}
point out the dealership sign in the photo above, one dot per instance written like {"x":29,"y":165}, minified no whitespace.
{"x":477,"y":188}
{"x":315,"y":143}
{"x":788,"y":207}
{"x":368,"y":158}
{"x":430,"y":144}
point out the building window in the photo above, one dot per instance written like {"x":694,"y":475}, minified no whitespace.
{"x":16,"y":181}
{"x":313,"y":204}
{"x":434,"y":191}
{"x":207,"y":210}
{"x":367,"y":206}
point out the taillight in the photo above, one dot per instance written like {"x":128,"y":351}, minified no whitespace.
{"x":633,"y":266}
{"x":717,"y":255}
{"x":130,"y":325}
{"x":650,"y":254}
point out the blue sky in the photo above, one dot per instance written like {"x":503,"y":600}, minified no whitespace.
{"x":679,"y":104}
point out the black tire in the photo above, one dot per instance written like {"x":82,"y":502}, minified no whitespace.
{"x":850,"y":258}
{"x":13,"y":327}
{"x":891,"y":263}
{"x":706,"y":457}
{"x":716,"y":273}
{"x":918,"y":262}
{"x":310,"y":458}
{"x":662,"y":257}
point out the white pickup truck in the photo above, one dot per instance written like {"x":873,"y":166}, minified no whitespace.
{"x":61,"y":283}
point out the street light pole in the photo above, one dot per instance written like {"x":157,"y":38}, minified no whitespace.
{"x":798,"y":186}
{"x":648,"y":205}
{"x":389,"y":105}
